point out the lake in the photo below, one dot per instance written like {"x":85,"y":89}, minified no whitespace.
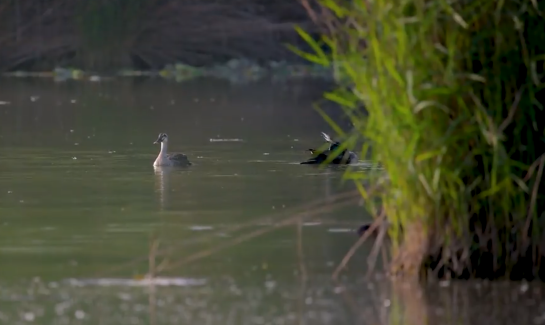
{"x":245,"y":235}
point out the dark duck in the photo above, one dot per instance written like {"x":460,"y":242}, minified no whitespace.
{"x":345,"y":157}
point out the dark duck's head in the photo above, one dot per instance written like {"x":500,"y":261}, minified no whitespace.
{"x":321,"y":156}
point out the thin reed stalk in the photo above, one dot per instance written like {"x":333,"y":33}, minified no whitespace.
{"x":306,"y":211}
{"x":253,"y":234}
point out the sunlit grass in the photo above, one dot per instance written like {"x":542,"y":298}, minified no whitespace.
{"x":451,"y":92}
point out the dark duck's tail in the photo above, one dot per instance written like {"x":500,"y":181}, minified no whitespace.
{"x":321,"y":157}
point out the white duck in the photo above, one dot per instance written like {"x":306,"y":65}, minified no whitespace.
{"x":164,"y":159}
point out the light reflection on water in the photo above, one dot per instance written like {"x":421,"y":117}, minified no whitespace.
{"x":315,"y":300}
{"x":245,"y":236}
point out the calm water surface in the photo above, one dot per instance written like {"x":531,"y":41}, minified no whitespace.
{"x":84,"y":215}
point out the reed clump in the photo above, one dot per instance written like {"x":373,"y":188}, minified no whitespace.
{"x":453,"y":97}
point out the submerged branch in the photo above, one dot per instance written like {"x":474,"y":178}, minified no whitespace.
{"x":378,"y":223}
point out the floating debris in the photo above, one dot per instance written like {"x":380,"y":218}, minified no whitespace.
{"x":340,"y":230}
{"x":201,"y":228}
{"x":137,"y":282}
{"x":226,"y":140}
{"x":310,"y":224}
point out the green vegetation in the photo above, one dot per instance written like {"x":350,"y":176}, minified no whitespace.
{"x":453,"y":96}
{"x":234,"y":71}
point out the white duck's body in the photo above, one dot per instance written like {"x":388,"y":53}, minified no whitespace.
{"x":166,"y":160}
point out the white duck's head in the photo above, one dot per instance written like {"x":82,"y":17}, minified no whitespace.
{"x":163,"y":137}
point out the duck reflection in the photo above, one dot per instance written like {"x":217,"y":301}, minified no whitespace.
{"x":162,"y":185}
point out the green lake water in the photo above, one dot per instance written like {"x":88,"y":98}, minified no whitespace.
{"x":82,"y":209}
